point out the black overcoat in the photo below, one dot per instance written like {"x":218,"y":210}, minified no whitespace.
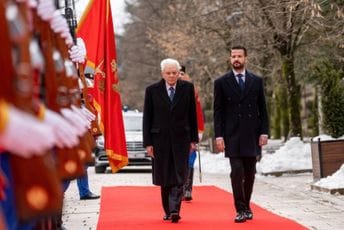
{"x":240,"y":117}
{"x":170,"y":127}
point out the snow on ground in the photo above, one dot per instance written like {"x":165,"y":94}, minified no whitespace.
{"x":293,"y":155}
{"x":325,"y":137}
{"x":213,"y":163}
{"x":335,"y":181}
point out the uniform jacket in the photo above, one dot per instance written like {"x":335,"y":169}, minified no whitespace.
{"x":240,"y":117}
{"x":170,"y":127}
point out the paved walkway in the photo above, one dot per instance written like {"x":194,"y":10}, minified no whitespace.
{"x":289,"y":196}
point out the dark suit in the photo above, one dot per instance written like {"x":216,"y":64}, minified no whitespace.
{"x":170,"y":127}
{"x":240,"y":117}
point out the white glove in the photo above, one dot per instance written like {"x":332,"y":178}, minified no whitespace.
{"x":82,"y":47}
{"x":59,"y":25}
{"x":46,"y":9}
{"x":78,"y":52}
{"x":200,"y":135}
{"x":26,"y":136}
{"x":82,"y":116}
{"x":75,"y":54}
{"x":80,"y":83}
{"x":68,"y":38}
{"x":89,"y":115}
{"x":75,"y":121}
{"x":32,"y":4}
{"x":65,"y":133}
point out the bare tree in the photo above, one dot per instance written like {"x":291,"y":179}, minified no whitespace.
{"x":200,"y":34}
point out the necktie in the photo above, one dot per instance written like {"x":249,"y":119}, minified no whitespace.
{"x":241,"y":82}
{"x":171,"y":89}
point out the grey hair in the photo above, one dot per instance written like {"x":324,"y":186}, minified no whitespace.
{"x":169,"y":61}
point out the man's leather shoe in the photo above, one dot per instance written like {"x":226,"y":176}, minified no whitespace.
{"x":248,"y":215}
{"x":175,"y":217}
{"x":90,"y":196}
{"x":187,"y":196}
{"x":167,"y":217}
{"x":240,"y":217}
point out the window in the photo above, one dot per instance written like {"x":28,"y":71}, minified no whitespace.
{"x":133,"y":123}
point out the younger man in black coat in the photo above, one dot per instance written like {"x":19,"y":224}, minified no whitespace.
{"x":241,"y":127}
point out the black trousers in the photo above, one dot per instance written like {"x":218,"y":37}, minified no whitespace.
{"x":189,"y":180}
{"x":242,"y":180}
{"x":171,"y":197}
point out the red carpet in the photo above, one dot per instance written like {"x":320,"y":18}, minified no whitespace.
{"x":135,"y":207}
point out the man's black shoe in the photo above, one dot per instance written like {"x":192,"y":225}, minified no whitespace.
{"x":167,"y":217}
{"x":240,"y":217}
{"x":90,"y":196}
{"x":187,"y":196}
{"x":248,"y":214}
{"x":175,"y":217}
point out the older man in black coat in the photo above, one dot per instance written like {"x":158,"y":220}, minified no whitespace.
{"x":169,"y":133}
{"x":241,"y":127}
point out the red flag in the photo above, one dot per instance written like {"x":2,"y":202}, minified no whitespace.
{"x":96,"y":29}
{"x":199,"y":112}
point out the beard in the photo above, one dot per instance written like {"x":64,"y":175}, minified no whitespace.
{"x":237,"y":65}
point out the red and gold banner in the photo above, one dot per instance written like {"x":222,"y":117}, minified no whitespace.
{"x":96,"y":29}
{"x":199,"y":112}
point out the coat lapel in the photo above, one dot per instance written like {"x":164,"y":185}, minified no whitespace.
{"x":248,"y":84}
{"x":163,"y":91}
{"x":232,"y":82}
{"x":230,"y":79}
{"x":179,"y":92}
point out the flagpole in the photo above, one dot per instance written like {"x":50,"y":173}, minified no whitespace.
{"x":199,"y":164}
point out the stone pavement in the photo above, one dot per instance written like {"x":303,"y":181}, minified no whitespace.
{"x":289,"y":196}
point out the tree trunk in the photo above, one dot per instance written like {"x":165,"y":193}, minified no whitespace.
{"x":293,"y":96}
{"x":316,"y":115}
{"x":277,"y":118}
{"x":284,"y":112}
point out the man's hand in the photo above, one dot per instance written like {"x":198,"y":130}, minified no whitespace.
{"x":193,"y":147}
{"x":46,"y":9}
{"x":77,"y":53}
{"x":263,"y":139}
{"x":220,"y":144}
{"x":150,"y":151}
{"x":66,"y":135}
{"x":26,"y":136}
{"x":75,"y":120}
{"x":59,"y":25}
{"x":88,"y":114}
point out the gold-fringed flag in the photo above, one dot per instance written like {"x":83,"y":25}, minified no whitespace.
{"x":96,"y":29}
{"x":199,"y":113}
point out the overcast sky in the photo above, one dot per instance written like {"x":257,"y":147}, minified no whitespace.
{"x":118,"y":15}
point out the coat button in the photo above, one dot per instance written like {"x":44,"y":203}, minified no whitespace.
{"x":249,"y":115}
{"x":239,"y":105}
{"x":239,"y":115}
